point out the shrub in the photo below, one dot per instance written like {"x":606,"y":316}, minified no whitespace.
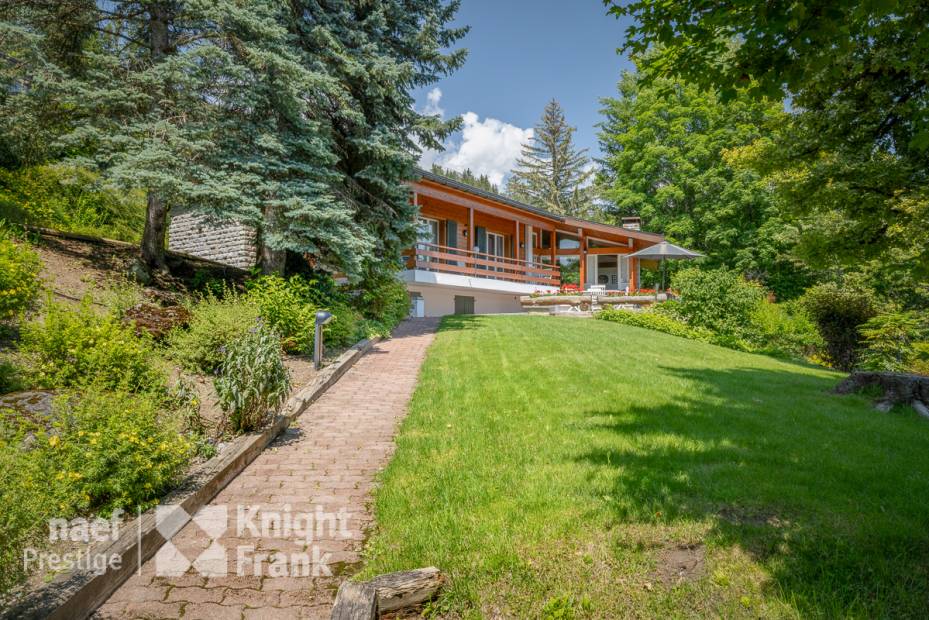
{"x":384,"y":299}
{"x":253,"y":379}
{"x":889,"y":341}
{"x":783,"y":329}
{"x":74,"y":347}
{"x":289,"y":307}
{"x":213,"y":325}
{"x":69,"y":198}
{"x":920,"y":362}
{"x":25,"y":504}
{"x":838,"y":312}
{"x":719,"y":300}
{"x":19,"y":282}
{"x":113,"y":450}
{"x":345,"y":328}
{"x":654,"y":320}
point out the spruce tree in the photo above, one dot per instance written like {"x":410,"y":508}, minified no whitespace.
{"x":295,"y":117}
{"x":551,"y":173}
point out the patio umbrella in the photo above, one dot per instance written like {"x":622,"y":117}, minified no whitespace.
{"x":665,"y":250}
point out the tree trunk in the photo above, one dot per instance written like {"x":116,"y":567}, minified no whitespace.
{"x":153,"y":238}
{"x":156,"y":215}
{"x":270,"y":260}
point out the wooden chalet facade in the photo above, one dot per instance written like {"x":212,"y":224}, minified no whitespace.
{"x":478,"y":252}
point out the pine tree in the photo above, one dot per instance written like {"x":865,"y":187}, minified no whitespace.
{"x":551,"y":173}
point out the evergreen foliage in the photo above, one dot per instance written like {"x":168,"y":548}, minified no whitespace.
{"x":294,"y":117}
{"x":551,"y":172}
{"x":467,"y":177}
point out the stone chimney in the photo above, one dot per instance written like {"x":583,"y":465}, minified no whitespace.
{"x":632,"y":223}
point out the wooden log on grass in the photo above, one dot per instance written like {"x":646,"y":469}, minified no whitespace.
{"x":355,"y":601}
{"x":390,"y":592}
{"x":407,"y":588}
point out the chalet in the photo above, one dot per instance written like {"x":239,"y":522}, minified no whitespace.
{"x":477,"y":251}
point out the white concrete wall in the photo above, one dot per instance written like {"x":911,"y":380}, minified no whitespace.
{"x":440,"y":301}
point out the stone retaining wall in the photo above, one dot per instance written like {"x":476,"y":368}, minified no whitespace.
{"x":224,"y":241}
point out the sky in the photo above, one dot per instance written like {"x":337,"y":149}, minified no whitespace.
{"x":523,"y":53}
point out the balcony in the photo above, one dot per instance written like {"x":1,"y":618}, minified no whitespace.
{"x":524,"y":275}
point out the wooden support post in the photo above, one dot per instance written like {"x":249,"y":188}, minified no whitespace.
{"x":582,"y":268}
{"x":516,"y":241}
{"x":554,"y":240}
{"x":472,"y":240}
{"x":633,"y":274}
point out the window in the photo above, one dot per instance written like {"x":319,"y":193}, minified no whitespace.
{"x":567,"y":241}
{"x":427,"y":230}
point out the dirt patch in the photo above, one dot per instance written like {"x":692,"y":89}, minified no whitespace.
{"x":681,"y":564}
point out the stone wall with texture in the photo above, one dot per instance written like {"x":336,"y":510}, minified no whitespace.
{"x":223,"y":241}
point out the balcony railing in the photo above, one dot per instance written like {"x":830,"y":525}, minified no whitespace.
{"x":432,"y":257}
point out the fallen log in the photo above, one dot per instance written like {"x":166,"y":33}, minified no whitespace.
{"x":355,"y":601}
{"x":365,"y":600}
{"x":407,"y":588}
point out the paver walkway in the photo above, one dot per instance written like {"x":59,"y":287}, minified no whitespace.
{"x":324,"y":464}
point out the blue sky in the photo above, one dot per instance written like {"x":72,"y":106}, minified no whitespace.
{"x":521,"y":54}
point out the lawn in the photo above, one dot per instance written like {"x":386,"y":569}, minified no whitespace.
{"x":560,"y":467}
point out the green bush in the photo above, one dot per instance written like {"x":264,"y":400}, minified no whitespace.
{"x":11,"y":378}
{"x":113,"y":450}
{"x":719,"y":300}
{"x":346,"y":327}
{"x":77,"y":346}
{"x":839,"y":311}
{"x":19,"y":271}
{"x":103,"y":451}
{"x":70,"y":199}
{"x":920,"y":362}
{"x":384,"y":299}
{"x":26,"y":502}
{"x":783,"y":329}
{"x":889,"y":341}
{"x":214,"y":324}
{"x":289,"y":307}
{"x":654,"y":320}
{"x":253,"y":380}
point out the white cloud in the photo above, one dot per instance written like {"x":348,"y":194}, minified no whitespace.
{"x":433,"y":99}
{"x":488,"y":146}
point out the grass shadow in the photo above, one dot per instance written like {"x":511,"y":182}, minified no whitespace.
{"x":820,"y":494}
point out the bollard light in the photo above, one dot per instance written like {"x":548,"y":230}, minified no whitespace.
{"x":322,"y":318}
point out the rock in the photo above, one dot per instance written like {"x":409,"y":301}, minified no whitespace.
{"x":32,"y":403}
{"x":156,"y":320}
{"x":921,"y":408}
{"x":884,"y":406}
{"x":140,"y":273}
{"x":894,"y":387}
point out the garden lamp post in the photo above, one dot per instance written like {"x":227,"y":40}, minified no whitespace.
{"x":322,"y":318}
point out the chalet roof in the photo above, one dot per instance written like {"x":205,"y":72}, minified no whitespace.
{"x":516,"y":204}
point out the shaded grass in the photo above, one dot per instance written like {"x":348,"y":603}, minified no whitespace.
{"x":548,"y":463}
